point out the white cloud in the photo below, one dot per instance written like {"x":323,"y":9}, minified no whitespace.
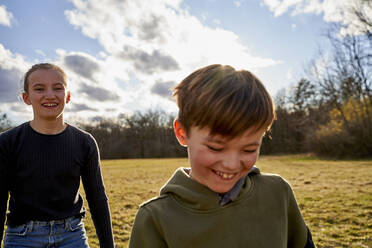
{"x":163,"y":26}
{"x":102,"y":54}
{"x":289,"y":75}
{"x":237,"y":3}
{"x":280,"y":7}
{"x":82,"y":64}
{"x":12,"y":69}
{"x":332,"y":10}
{"x":293,"y":26}
{"x":8,"y":60}
{"x":92,"y":82}
{"x":164,"y":45}
{"x":5,"y":16}
{"x":217,"y":21}
{"x":40,"y":52}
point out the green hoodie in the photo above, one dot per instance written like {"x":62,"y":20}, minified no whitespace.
{"x":188,"y":214}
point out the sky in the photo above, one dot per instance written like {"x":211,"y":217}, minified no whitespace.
{"x":123,"y":56}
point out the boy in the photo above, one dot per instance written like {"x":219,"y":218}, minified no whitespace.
{"x":222,"y":200}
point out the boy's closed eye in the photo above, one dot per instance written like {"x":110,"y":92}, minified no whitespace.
{"x":214,"y":148}
{"x":250,"y":151}
{"x":251,"y":148}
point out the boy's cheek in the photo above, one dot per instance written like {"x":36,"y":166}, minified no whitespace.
{"x":251,"y":160}
{"x":203,"y":157}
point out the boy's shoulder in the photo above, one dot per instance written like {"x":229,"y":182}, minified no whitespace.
{"x":154,"y":201}
{"x":270,"y":176}
{"x":271,"y":181}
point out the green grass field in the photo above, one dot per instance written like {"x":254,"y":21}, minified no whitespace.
{"x":335,"y":196}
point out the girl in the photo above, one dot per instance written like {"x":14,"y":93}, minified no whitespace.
{"x":41,"y":163}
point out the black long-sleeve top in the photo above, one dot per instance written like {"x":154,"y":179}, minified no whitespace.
{"x":42,"y":173}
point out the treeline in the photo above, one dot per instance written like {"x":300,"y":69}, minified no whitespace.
{"x":141,"y":135}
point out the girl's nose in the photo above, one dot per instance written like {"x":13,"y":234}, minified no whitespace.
{"x":49,"y":94}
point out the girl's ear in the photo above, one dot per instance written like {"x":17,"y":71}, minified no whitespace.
{"x":180,"y":132}
{"x":68,"y":98}
{"x":25,"y":98}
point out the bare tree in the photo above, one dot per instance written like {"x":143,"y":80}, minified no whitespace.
{"x":362,"y":13}
{"x":344,"y":81}
{"x":4,"y":122}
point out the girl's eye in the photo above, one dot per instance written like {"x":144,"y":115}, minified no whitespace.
{"x":215,"y":149}
{"x":38,"y":89}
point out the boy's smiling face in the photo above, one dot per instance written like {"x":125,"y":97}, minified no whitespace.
{"x":218,"y":162}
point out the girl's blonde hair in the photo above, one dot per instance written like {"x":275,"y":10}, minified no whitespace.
{"x":42,"y":66}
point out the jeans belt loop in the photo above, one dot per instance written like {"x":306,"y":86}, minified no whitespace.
{"x":30,"y":226}
{"x":67,"y":224}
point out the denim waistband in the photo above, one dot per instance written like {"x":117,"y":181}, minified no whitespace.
{"x":52,"y":222}
{"x":48,"y":223}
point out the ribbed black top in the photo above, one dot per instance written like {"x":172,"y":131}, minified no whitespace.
{"x":42,"y":174}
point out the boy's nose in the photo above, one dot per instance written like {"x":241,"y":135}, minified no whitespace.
{"x":232,"y":162}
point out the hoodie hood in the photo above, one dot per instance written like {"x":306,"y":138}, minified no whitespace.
{"x":194,"y":195}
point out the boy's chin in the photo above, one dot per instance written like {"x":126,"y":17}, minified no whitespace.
{"x":223,"y":187}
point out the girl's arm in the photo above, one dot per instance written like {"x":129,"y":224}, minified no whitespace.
{"x":96,"y":197}
{"x":3,"y":187}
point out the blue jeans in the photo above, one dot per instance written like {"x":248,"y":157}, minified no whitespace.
{"x":67,"y":233}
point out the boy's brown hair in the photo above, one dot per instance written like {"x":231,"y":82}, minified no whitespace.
{"x":227,"y":101}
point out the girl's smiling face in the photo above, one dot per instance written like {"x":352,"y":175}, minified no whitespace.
{"x":216,"y":161}
{"x":47,"y":93}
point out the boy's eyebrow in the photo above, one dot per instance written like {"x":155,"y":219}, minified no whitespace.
{"x":253,"y":144}
{"x":214,"y":139}
{"x":220,"y":141}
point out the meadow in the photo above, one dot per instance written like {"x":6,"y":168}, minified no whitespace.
{"x":335,"y":196}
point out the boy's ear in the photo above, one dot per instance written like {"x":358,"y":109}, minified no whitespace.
{"x":25,"y":98}
{"x":180,"y":132}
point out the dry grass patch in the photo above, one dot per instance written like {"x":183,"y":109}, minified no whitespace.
{"x":335,"y":196}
